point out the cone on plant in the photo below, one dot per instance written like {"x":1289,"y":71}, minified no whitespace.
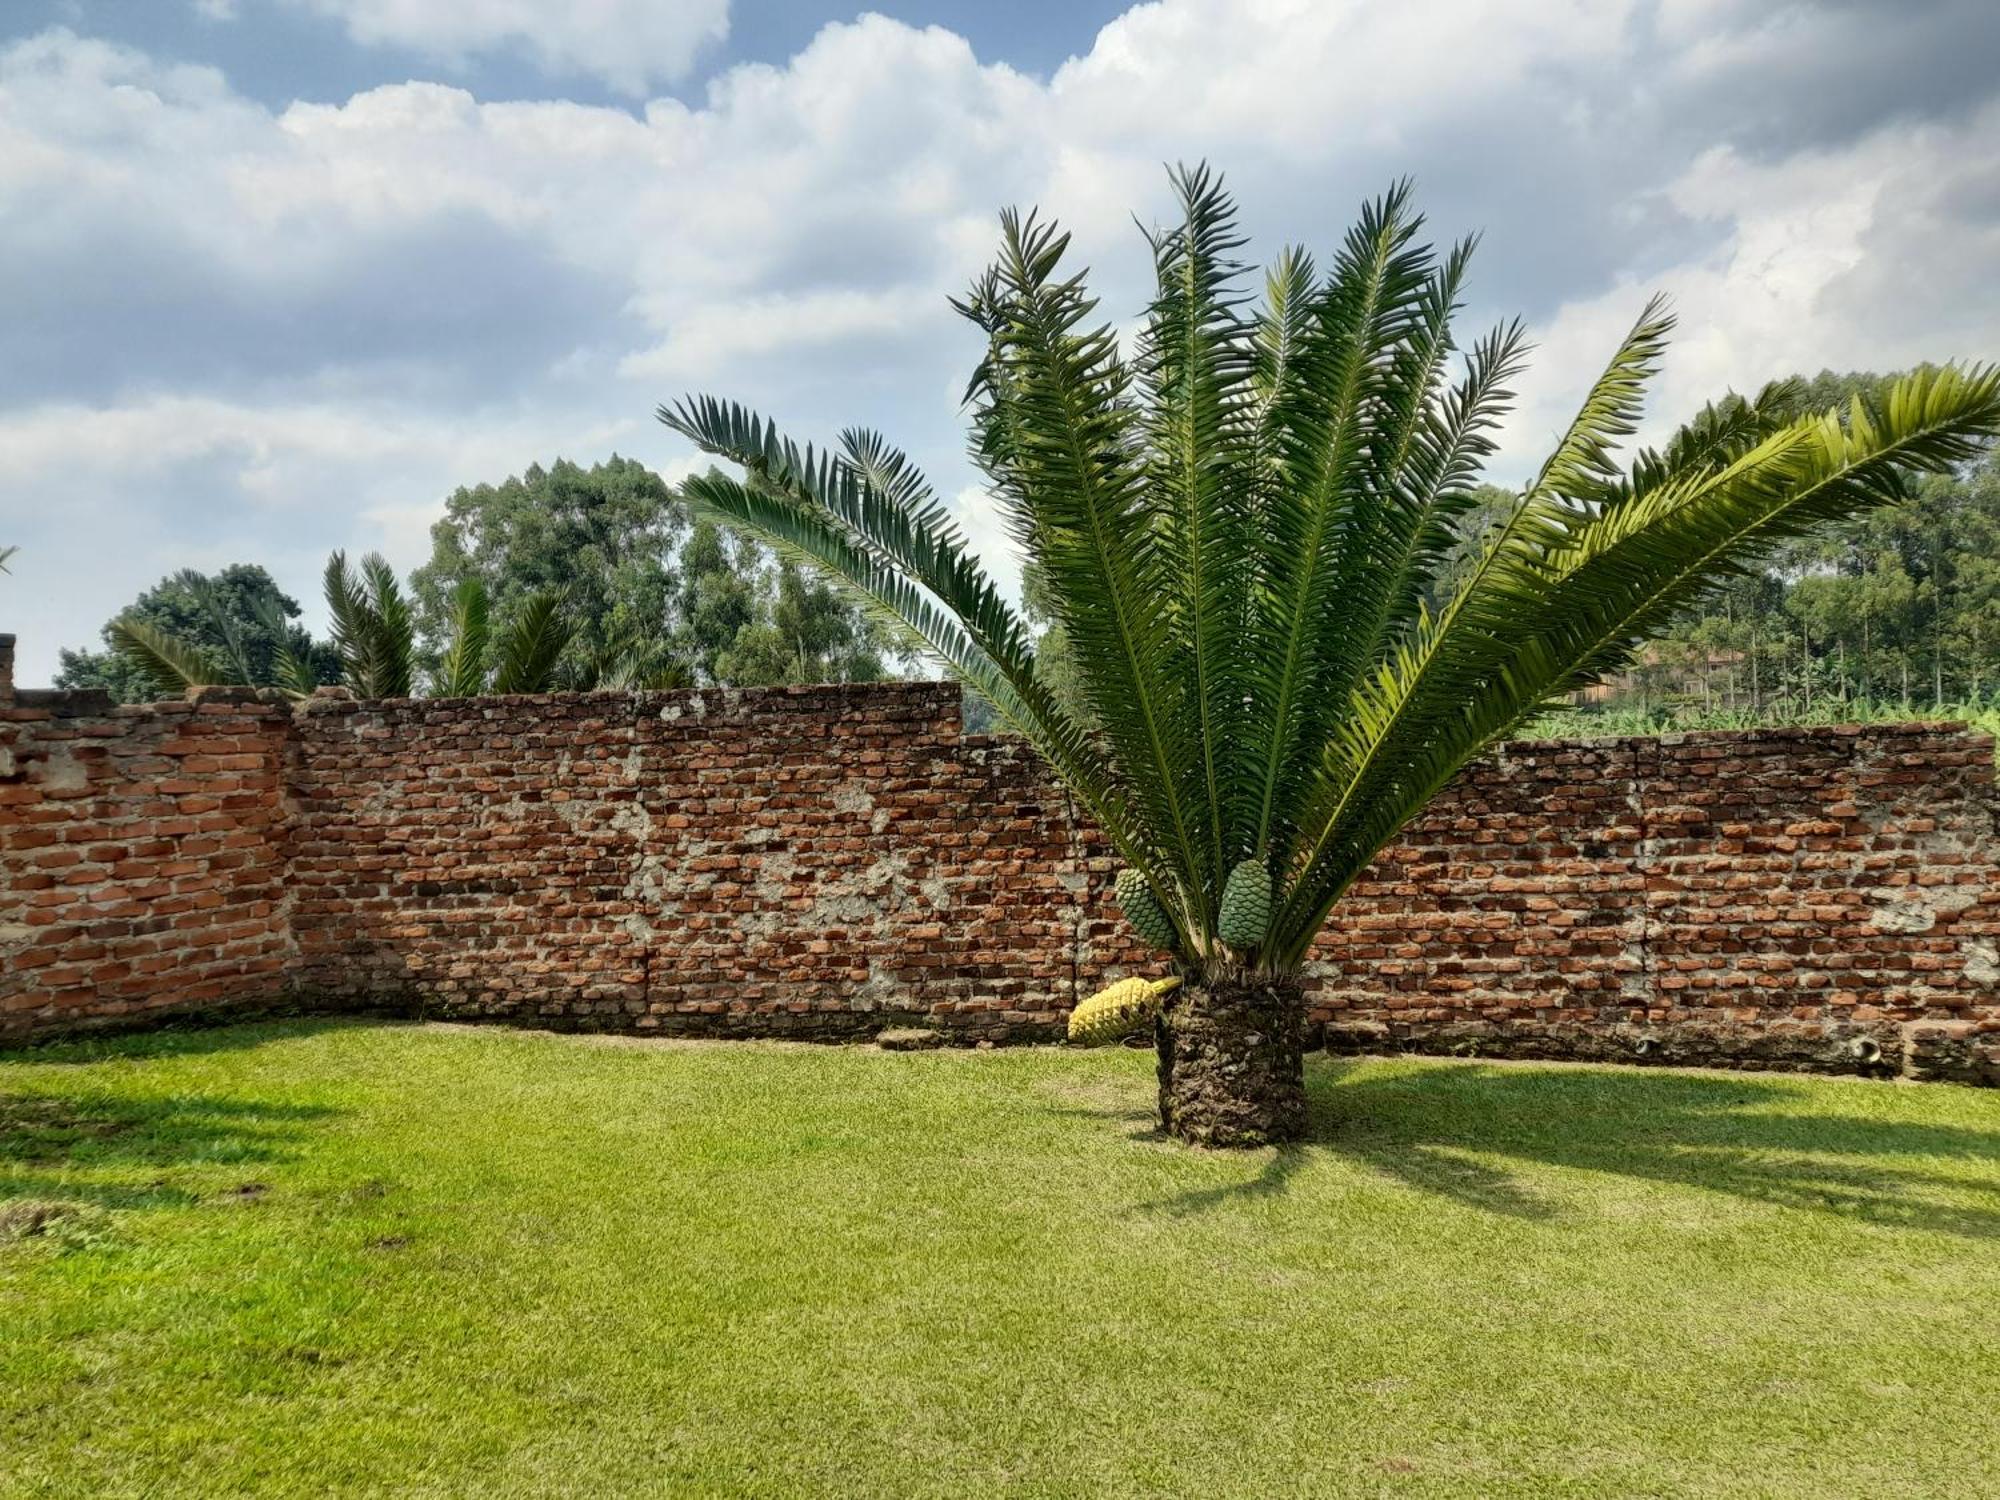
{"x":1246,"y":905}
{"x":1143,"y":910}
{"x":1116,"y":1009}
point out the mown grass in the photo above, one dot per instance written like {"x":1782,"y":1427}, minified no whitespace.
{"x":410,"y":1260}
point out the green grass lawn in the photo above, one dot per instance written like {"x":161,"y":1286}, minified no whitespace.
{"x":394,"y":1260}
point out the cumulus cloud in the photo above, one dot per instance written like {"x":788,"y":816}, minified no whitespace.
{"x":1877,"y":255}
{"x":629,"y":44}
{"x":261,"y":333}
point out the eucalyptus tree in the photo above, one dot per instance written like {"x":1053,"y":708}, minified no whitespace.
{"x":1240,"y":528}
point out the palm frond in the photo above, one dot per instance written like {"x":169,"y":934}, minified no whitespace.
{"x":235,"y":650}
{"x":391,"y":653}
{"x":462,"y":673}
{"x":1326,"y":421}
{"x":1560,"y":617}
{"x":374,"y":629}
{"x":530,"y":646}
{"x":170,"y":665}
{"x":897,"y":552}
{"x":347,"y":609}
{"x":291,"y":673}
{"x":1197,"y":366}
{"x":1075,"y":494}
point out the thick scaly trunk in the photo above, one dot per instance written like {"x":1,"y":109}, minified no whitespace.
{"x":1232,"y":1065}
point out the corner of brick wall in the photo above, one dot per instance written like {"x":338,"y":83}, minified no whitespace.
{"x":141,"y":858}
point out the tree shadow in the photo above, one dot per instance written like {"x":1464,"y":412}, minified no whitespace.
{"x":76,"y":1146}
{"x":1450,"y":1129}
{"x":186,"y":1036}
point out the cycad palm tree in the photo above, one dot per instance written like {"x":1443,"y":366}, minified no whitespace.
{"x":1238,"y":529}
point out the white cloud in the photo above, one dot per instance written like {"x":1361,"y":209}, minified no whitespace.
{"x":629,"y":44}
{"x":1875,"y":256}
{"x":985,"y":530}
{"x":264,"y":333}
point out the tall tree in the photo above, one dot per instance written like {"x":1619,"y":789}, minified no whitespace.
{"x":603,"y":538}
{"x":1239,"y":529}
{"x":805,"y":631}
{"x":237,"y":619}
{"x":648,"y":601}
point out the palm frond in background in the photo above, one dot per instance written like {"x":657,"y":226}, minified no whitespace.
{"x":171,"y":665}
{"x":530,"y":646}
{"x":463,"y":670}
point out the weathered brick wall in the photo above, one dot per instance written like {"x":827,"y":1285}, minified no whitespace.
{"x":797,"y":861}
{"x":829,"y":861}
{"x":141,"y":857}
{"x":1817,"y":897}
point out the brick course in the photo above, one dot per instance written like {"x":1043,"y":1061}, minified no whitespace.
{"x":831,"y":861}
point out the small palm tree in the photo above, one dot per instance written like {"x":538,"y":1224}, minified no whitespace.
{"x":375,"y":636}
{"x":172,"y":664}
{"x":1242,"y":530}
{"x":374,"y":631}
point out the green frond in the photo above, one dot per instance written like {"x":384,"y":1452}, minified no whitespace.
{"x":374,"y":629}
{"x":632,"y":663}
{"x":1197,"y":370}
{"x":462,"y":673}
{"x":171,"y":665}
{"x":1076,"y":498}
{"x":530,"y":646}
{"x":290,"y":672}
{"x":897,"y":552}
{"x":1547,"y":619}
{"x":235,"y":651}
{"x":1326,"y":425}
{"x":347,"y":610}
{"x":391,"y":653}
{"x":1583,"y":466}
{"x":1440,"y":482}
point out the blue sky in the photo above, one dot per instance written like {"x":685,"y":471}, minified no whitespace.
{"x":285,"y":272}
{"x":277,"y":53}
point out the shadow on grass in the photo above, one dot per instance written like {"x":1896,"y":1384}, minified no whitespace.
{"x":190,"y":1036}
{"x":52,"y":1143}
{"x":1449,"y":1130}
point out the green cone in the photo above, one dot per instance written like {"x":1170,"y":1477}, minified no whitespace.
{"x":1143,"y":910}
{"x":1246,"y":905}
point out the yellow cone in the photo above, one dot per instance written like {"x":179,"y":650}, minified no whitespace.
{"x":1116,"y":1009}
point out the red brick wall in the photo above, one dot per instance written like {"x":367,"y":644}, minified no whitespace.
{"x":824,"y":861}
{"x":795,"y":860}
{"x":1788,"y":896}
{"x":141,"y":858}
